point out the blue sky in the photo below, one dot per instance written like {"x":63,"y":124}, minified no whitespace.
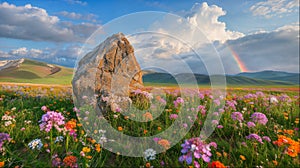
{"x":264,"y":33}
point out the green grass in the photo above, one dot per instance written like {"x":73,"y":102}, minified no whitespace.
{"x":38,"y":73}
{"x":24,"y":104}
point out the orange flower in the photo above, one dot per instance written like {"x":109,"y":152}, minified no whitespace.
{"x":148,"y":164}
{"x":120,"y":128}
{"x":97,"y":147}
{"x":2,"y":164}
{"x":290,"y":132}
{"x":70,"y":161}
{"x":293,"y":146}
{"x":86,"y":149}
{"x":219,"y":154}
{"x":158,"y":128}
{"x":89,"y":157}
{"x":242,"y":157}
{"x":145,"y":131}
{"x":165,"y":143}
{"x":275,"y":162}
{"x":148,"y":116}
{"x":216,"y":164}
{"x":70,"y":125}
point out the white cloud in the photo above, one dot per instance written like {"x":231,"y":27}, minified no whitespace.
{"x":83,"y":3}
{"x":206,"y":18}
{"x":78,"y":16}
{"x":273,"y":50}
{"x":176,"y":38}
{"x":33,"y":23}
{"x":24,"y":52}
{"x":272,"y":8}
{"x":63,"y":55}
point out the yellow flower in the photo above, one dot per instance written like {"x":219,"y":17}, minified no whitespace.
{"x":86,"y":149}
{"x":242,"y":157}
{"x":93,"y":141}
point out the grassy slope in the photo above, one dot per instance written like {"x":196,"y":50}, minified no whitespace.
{"x":37,"y":72}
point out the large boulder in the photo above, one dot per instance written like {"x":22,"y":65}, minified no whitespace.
{"x":110,"y":71}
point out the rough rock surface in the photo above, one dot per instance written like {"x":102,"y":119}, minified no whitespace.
{"x":110,"y":71}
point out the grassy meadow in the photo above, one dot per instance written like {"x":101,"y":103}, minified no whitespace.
{"x":258,"y":128}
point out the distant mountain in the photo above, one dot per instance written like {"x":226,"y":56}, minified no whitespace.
{"x":201,"y":79}
{"x":30,"y":71}
{"x":273,"y":75}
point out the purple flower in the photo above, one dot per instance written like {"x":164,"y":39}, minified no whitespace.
{"x":56,"y":162}
{"x":173,"y":116}
{"x":52,"y":119}
{"x":255,"y":137}
{"x":250,"y":124}
{"x":237,"y":116}
{"x":197,"y":148}
{"x":266,"y":138}
{"x":3,"y":137}
{"x":259,"y":118}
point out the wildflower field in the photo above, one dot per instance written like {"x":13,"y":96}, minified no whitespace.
{"x":40,"y":127}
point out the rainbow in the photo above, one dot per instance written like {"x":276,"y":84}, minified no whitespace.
{"x":237,"y":59}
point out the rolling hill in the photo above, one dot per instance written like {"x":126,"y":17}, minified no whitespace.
{"x":205,"y":79}
{"x":273,"y":75}
{"x":31,"y":71}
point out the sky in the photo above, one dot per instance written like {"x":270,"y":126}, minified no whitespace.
{"x":197,"y":36}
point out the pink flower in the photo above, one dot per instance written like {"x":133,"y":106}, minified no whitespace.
{"x":52,"y":119}
{"x":220,"y":126}
{"x":250,"y":124}
{"x":22,"y":129}
{"x":259,"y":118}
{"x":237,"y":116}
{"x":173,"y":116}
{"x":44,"y":108}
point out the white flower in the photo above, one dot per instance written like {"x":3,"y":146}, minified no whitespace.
{"x":7,"y":123}
{"x":59,"y":139}
{"x":149,"y":154}
{"x":36,"y":143}
{"x":273,"y":99}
